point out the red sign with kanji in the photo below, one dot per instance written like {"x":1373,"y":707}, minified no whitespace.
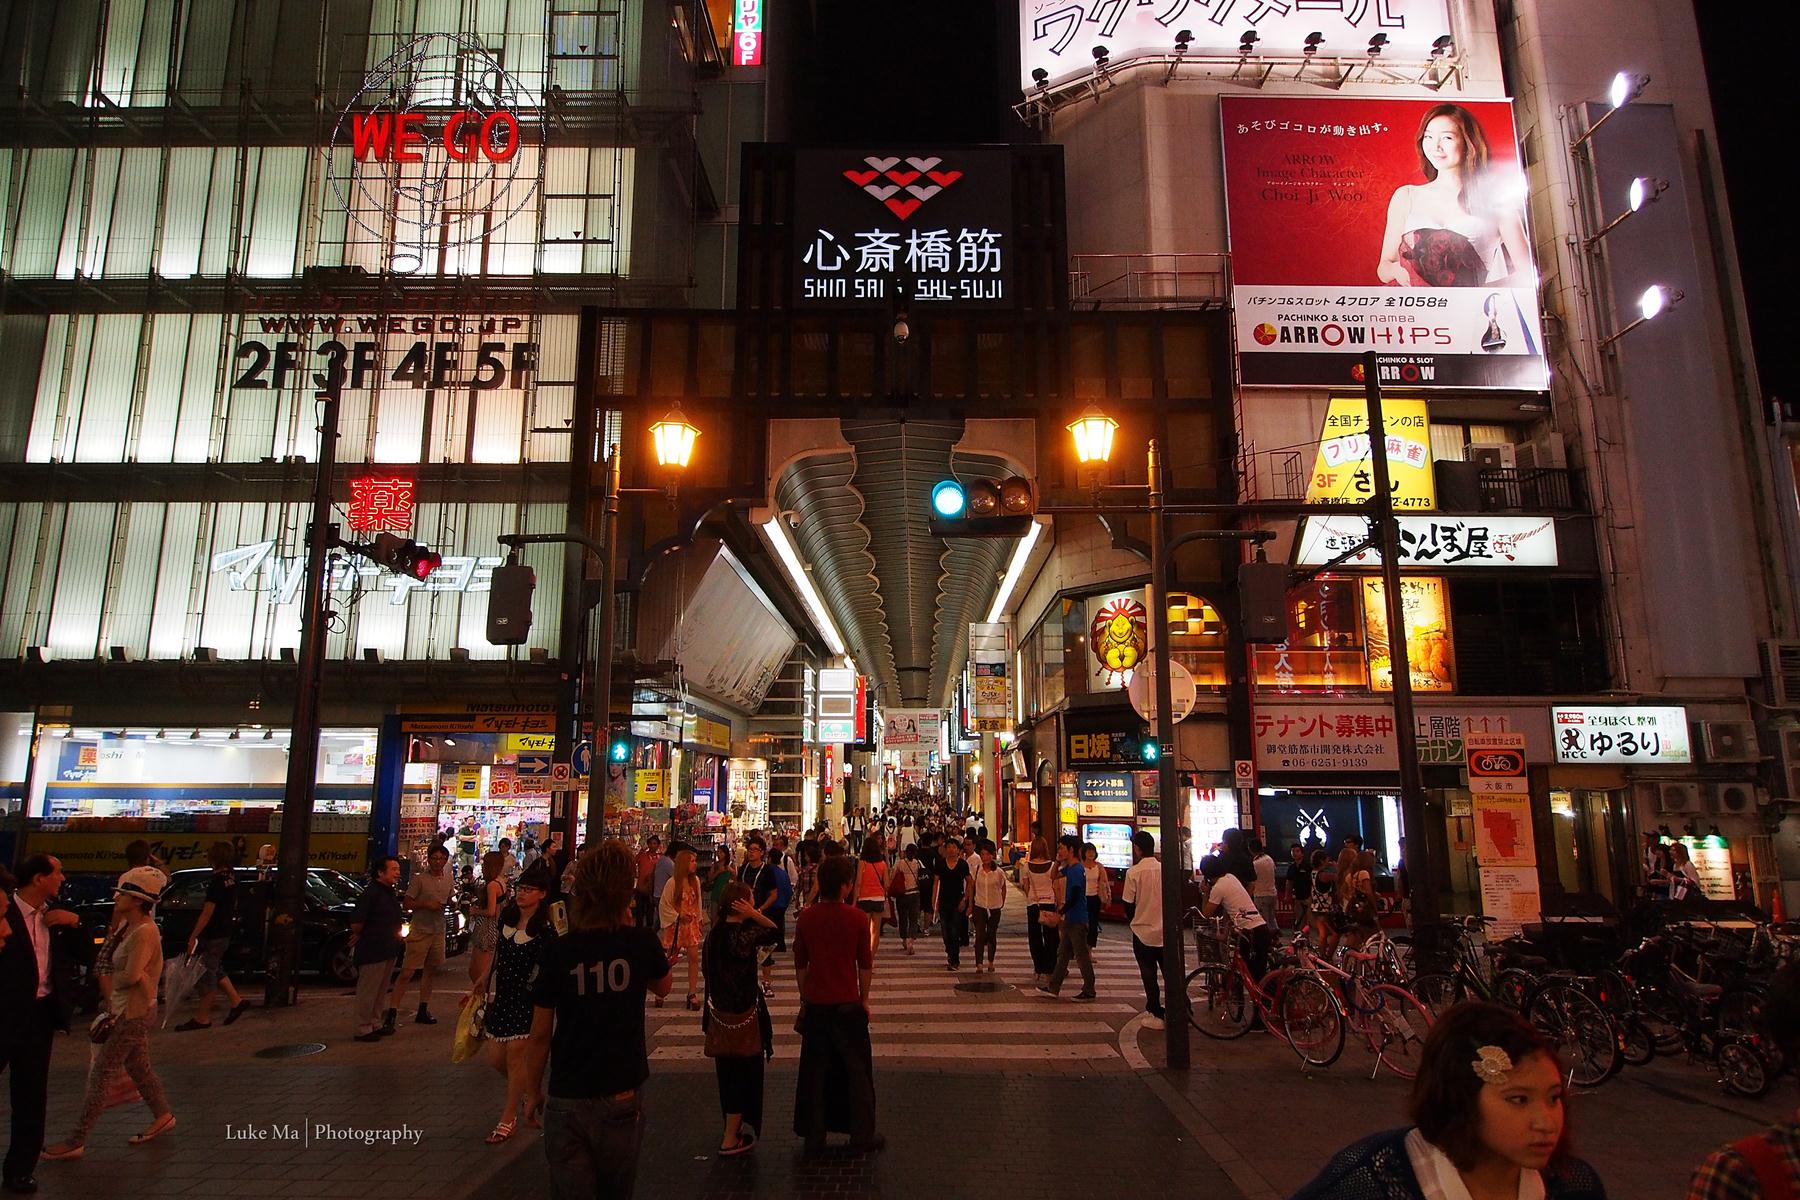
{"x":381,"y":503}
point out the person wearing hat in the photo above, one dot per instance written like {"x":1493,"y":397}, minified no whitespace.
{"x":123,"y":1029}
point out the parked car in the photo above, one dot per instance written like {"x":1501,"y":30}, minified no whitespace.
{"x":329,"y":904}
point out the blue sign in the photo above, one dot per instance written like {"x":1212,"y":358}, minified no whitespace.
{"x":584,"y":758}
{"x":534,"y":766}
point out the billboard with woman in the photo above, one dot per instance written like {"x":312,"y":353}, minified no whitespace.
{"x":1389,"y":225}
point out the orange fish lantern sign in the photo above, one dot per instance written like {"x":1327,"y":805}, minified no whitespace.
{"x":1119,"y":637}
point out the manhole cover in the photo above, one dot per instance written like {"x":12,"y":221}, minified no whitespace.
{"x":984,"y":985}
{"x":296,"y":1050}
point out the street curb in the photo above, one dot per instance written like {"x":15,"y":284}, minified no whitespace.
{"x":1237,"y":1168}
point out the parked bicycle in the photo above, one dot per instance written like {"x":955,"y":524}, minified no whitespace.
{"x":1391,"y":1020}
{"x":1225,"y":1000}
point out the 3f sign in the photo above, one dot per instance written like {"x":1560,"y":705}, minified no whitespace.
{"x":396,"y":137}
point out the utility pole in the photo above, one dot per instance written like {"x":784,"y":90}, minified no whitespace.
{"x":1420,"y":869}
{"x":303,"y":748}
{"x":1167,"y":787}
{"x":599,"y":761}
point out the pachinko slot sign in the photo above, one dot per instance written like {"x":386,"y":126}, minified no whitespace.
{"x":747,"y":34}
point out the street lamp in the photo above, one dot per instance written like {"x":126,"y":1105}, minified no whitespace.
{"x":1656,"y":300}
{"x":674,"y":440}
{"x":1093,"y":432}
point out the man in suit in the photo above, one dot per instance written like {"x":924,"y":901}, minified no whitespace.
{"x":37,"y":983}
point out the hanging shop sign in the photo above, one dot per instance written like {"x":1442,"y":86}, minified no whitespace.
{"x":990,"y":689}
{"x":931,"y":228}
{"x":472,"y":351}
{"x":380,"y":502}
{"x":1396,"y":226}
{"x":837,"y":708}
{"x":480,"y":717}
{"x":747,"y":33}
{"x":1102,"y":740}
{"x":1118,"y":638}
{"x":1055,"y":35}
{"x":433,"y":139}
{"x":913,"y":734}
{"x":1425,"y":606}
{"x":1621,"y":735}
{"x":1434,"y":542}
{"x":1293,"y":737}
{"x":1343,"y":472}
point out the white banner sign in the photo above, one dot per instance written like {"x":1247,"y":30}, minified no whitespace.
{"x":1436,"y":542}
{"x":1321,"y":737}
{"x":1621,"y":735}
{"x":1058,"y":36}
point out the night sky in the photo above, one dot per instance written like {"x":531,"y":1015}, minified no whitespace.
{"x":926,"y":70}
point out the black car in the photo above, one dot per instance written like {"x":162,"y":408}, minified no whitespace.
{"x":329,"y":905}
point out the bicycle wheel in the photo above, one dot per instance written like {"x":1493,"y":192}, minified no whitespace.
{"x":1218,"y":1003}
{"x":1580,"y":1030}
{"x":1438,"y":990}
{"x":1309,"y":1014}
{"x":1740,"y":1010}
{"x":1397,"y":1025}
{"x":1743,"y":1069}
{"x":1660,"y":1011}
{"x":1639,"y":1046}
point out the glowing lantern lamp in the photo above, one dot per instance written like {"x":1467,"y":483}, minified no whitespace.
{"x":1093,"y":432}
{"x":674,"y":440}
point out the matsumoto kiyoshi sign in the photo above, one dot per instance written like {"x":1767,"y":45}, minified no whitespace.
{"x":1370,"y":224}
{"x":932,"y":227}
{"x":1056,"y":35}
{"x":258,"y":568}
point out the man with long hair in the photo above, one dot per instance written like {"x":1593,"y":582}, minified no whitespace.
{"x":835,"y":964}
{"x":588,"y":1021}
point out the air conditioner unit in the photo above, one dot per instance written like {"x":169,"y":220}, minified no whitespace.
{"x":1545,"y":450}
{"x":1781,"y":669}
{"x":1733,"y":798}
{"x":1787,"y":764}
{"x":1678,"y":797}
{"x":1492,"y":456}
{"x":1729,"y":741}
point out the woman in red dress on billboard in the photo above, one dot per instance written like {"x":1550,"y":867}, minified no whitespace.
{"x":1458,"y":228}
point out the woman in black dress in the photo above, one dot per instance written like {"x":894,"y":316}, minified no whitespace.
{"x":524,"y":932}
{"x":729,"y":959}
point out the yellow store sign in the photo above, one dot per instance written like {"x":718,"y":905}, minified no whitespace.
{"x":1343,"y":471}
{"x":1425,"y":604}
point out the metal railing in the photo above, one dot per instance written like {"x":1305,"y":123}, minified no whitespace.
{"x":1149,"y":280}
{"x":1531,"y":489}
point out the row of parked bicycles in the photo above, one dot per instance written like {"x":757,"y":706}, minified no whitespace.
{"x":1690,"y":987}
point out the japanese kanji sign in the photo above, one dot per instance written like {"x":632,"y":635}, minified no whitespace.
{"x":1056,"y":35}
{"x":1425,"y":606}
{"x":1396,"y":226}
{"x":1347,"y":737}
{"x":747,"y":33}
{"x":380,"y":502}
{"x":1435,"y":542}
{"x":927,"y":228}
{"x":1343,"y":471}
{"x":1621,"y":735}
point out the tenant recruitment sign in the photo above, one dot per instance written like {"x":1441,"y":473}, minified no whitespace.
{"x":1396,"y":226}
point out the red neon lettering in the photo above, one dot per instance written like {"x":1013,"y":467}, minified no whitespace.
{"x":511,"y":147}
{"x":370,"y":133}
{"x":458,"y":148}
{"x":407,"y":134}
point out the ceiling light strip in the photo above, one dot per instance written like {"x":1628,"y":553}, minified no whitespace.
{"x":1021,"y":552}
{"x":784,"y":550}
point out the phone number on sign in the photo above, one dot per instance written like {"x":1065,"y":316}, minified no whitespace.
{"x":354,"y":364}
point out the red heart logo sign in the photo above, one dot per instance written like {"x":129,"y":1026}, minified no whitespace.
{"x":861,"y":178}
{"x":904,"y":208}
{"x":945,"y":178}
{"x":902,"y":177}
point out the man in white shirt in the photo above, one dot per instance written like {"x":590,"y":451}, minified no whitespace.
{"x":1263,"y":890}
{"x":1142,"y":897}
{"x":1226,"y":893}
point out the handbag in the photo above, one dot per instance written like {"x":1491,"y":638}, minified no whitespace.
{"x":102,"y":1028}
{"x":471,"y":1029}
{"x":1049,"y":917}
{"x":732,"y":1035}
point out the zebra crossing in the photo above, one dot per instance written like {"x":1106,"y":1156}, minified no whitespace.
{"x":927,"y":1016}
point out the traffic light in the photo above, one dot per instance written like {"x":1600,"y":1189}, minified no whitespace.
{"x":618,"y":744}
{"x":983,"y":507}
{"x":403,"y":556}
{"x":1262,"y":601}
{"x":509,"y":603}
{"x":1150,"y":750}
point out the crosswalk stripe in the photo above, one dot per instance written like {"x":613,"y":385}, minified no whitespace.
{"x":1023,"y":1004}
{"x":1058,"y":1051}
{"x":881,"y":1030}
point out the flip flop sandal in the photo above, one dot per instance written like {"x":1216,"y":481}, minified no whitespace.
{"x":237,"y":1010}
{"x":742,"y":1146}
{"x":502,"y":1131}
{"x":155,"y":1131}
{"x":62,"y":1153}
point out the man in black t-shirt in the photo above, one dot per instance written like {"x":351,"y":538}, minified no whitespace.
{"x":211,"y":939}
{"x":589,"y":1021}
{"x":952,"y":896}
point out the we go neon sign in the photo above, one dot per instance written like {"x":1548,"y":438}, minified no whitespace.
{"x":396,"y":137}
{"x":747,"y":34}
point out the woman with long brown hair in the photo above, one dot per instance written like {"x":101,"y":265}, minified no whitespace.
{"x":1037,"y":879}
{"x":484,"y":917}
{"x":1355,"y":899}
{"x":739,"y":1033}
{"x":679,"y":907}
{"x":588,"y":1021}
{"x":1456,"y":229}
